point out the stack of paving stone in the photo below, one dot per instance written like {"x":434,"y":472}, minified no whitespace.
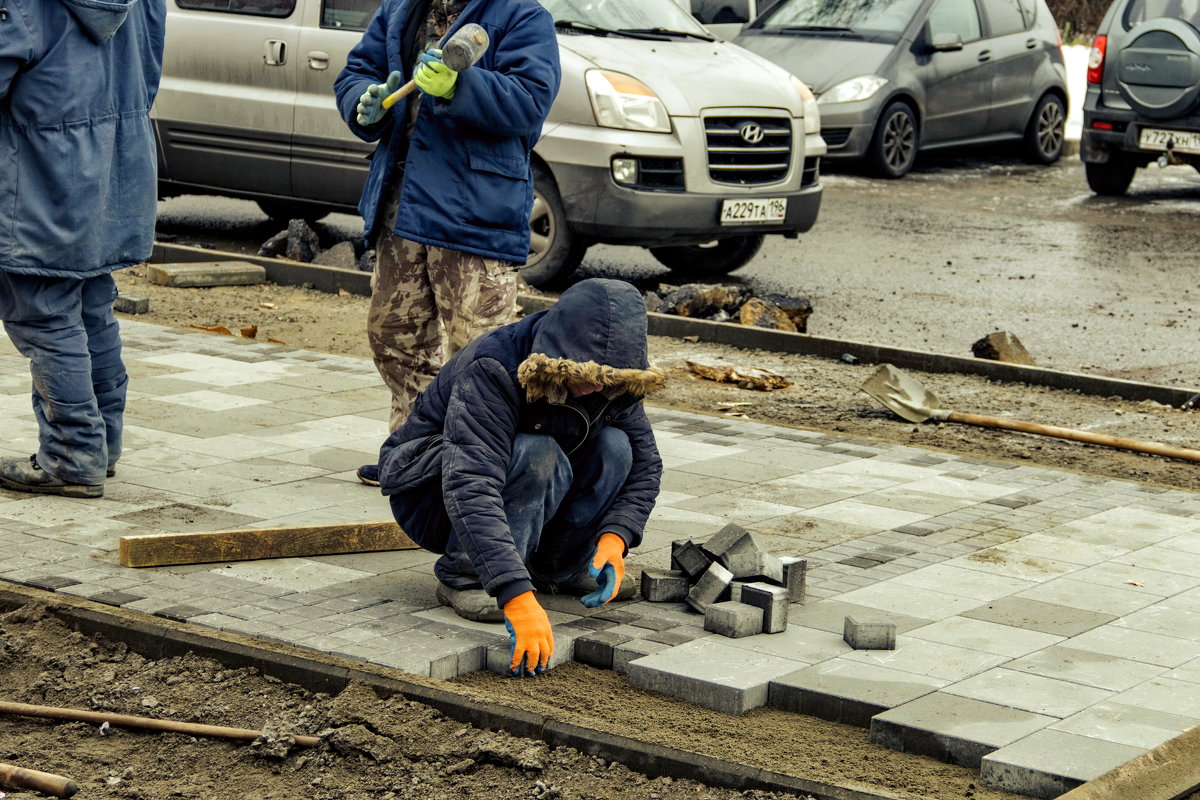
{"x":740,"y":589}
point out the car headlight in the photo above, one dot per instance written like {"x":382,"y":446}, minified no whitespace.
{"x":620,"y":101}
{"x":859,"y":88}
{"x":812,"y":114}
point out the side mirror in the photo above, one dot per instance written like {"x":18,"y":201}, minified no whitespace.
{"x":946,"y":42}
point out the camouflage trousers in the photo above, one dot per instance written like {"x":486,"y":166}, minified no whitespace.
{"x":427,"y":303}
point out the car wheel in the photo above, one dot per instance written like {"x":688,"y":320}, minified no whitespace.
{"x":893,"y":148}
{"x":1111,"y":178}
{"x":719,"y":257}
{"x":283,"y":211}
{"x":1044,"y":134}
{"x":554,"y":252}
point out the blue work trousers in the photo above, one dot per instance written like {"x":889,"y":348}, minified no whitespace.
{"x":67,"y":330}
{"x":554,"y":504}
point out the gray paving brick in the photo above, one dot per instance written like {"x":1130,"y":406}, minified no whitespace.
{"x":954,"y":729}
{"x":848,"y":692}
{"x":710,"y":674}
{"x":1049,"y":763}
{"x":632,"y":650}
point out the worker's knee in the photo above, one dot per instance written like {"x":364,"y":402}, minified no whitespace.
{"x":539,"y":457}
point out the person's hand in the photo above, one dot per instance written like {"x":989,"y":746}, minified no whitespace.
{"x":608,"y":568}
{"x":370,"y":103}
{"x":529,"y":629}
{"x":433,"y":77}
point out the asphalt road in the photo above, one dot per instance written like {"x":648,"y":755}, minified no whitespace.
{"x":958,"y":249}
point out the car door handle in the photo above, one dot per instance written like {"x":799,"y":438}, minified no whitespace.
{"x":1031,"y":43}
{"x":318,"y":59}
{"x":985,"y":55}
{"x":274,"y":53}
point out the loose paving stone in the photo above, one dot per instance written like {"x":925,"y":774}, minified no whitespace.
{"x":869,"y":633}
{"x":733,"y":619}
{"x":773,"y":600}
{"x":711,"y":588}
{"x":688,"y":558}
{"x":665,"y":586}
{"x":596,"y":649}
{"x":711,"y":674}
{"x":206,"y":273}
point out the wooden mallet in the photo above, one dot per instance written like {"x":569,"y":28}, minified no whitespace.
{"x":464,"y":48}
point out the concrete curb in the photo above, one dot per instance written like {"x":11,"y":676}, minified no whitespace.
{"x":332,"y":279}
{"x":158,"y":638}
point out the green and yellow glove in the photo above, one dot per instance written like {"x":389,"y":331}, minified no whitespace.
{"x":529,"y":629}
{"x":608,"y":568}
{"x":435,"y":78}
{"x":370,"y":103}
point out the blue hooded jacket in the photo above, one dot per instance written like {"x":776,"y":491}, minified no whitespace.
{"x":78,"y":184}
{"x":467,"y":183}
{"x":514,"y":380}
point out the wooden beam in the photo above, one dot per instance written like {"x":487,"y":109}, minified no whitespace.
{"x":1168,"y":772}
{"x":164,"y":549}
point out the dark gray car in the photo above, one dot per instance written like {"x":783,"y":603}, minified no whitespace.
{"x":1143,"y":95}
{"x":893,"y":77}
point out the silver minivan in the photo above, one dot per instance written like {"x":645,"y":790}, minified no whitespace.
{"x":662,"y":136}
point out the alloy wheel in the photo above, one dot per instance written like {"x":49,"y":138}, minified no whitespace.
{"x":541,"y":228}
{"x":1050,"y":126}
{"x":899,"y":141}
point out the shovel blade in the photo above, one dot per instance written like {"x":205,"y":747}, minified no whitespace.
{"x":901,"y":394}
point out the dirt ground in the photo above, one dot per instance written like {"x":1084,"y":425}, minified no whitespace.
{"x":385,"y":749}
{"x":824,"y":395}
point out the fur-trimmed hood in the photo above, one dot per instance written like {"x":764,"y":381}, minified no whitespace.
{"x":596,"y":332}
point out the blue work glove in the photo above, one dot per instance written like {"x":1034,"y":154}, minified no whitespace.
{"x":370,"y":103}
{"x":608,"y":568}
{"x":433,"y":77}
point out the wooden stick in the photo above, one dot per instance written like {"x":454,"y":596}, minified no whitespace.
{"x":146,"y":723}
{"x":44,"y":782}
{"x":1153,"y":448}
{"x":162,"y":549}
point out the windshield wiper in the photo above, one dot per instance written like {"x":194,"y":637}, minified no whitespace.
{"x":596,"y":30}
{"x":803,"y":28}
{"x":667,"y":32}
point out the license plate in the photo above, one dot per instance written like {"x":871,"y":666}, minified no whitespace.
{"x":1157,"y":139}
{"x":748,"y":212}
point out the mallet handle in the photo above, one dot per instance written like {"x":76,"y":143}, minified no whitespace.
{"x":44,"y":782}
{"x":398,"y":95}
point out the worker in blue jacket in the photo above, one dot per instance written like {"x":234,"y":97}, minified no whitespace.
{"x":78,"y":197}
{"x":448,"y":196}
{"x":530,"y":465}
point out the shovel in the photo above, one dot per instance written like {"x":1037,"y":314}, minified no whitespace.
{"x":915,"y":403}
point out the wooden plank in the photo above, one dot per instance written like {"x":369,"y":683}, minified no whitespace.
{"x":1170,"y":771}
{"x":164,"y":549}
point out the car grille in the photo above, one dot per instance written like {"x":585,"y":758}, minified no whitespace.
{"x":660,"y":173}
{"x":748,"y":151}
{"x":835,"y":137}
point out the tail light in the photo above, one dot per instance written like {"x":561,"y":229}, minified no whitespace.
{"x":1095,"y":71}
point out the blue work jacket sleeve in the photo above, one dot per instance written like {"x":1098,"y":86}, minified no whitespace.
{"x":16,"y":46}
{"x":481,"y":425}
{"x":627,"y":516}
{"x":514,"y":97}
{"x":367,"y":63}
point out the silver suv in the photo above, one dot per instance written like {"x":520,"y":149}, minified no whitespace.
{"x":1143,"y":95}
{"x":662,"y":136}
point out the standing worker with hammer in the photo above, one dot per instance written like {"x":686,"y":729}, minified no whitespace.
{"x":448,"y":196}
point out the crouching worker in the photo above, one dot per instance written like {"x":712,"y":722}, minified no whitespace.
{"x":530,"y":465}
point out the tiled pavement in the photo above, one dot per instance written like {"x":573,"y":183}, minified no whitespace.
{"x":1048,"y":623}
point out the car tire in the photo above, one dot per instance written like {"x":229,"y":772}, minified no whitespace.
{"x":1044,"y":136}
{"x":1111,"y":178}
{"x":554,"y":251}
{"x":893,"y":150}
{"x":285,"y":212}
{"x":719,"y":257}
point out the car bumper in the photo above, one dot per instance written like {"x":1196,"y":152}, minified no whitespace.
{"x":1122,"y":134}
{"x":847,"y":128}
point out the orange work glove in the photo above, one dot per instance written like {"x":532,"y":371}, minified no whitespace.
{"x":608,"y":568}
{"x":529,"y":629}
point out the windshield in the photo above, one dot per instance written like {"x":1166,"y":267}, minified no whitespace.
{"x":890,"y":16}
{"x":1142,"y":10}
{"x":626,"y":14}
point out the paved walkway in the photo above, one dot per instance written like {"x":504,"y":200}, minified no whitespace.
{"x":1049,"y":623}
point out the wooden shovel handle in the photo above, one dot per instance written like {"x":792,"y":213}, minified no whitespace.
{"x":146,"y":723}
{"x":44,"y":782}
{"x":1103,"y":439}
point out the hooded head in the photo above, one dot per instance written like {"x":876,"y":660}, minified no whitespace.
{"x":596,"y":333}
{"x":100,"y":18}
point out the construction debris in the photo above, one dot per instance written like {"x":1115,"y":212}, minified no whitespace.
{"x":715,"y":369}
{"x":1003,"y":346}
{"x":131,"y":304}
{"x":740,"y":589}
{"x":301,"y":243}
{"x":203,"y":274}
{"x":725,"y":302}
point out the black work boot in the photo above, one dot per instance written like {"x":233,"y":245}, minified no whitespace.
{"x":473,"y":604}
{"x":368,"y":474}
{"x":22,"y":475}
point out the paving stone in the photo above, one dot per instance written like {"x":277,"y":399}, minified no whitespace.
{"x":712,"y":587}
{"x":711,"y":674}
{"x":848,"y":692}
{"x":773,"y":600}
{"x":869,"y":633}
{"x":665,"y":586}
{"x":1049,"y":763}
{"x":116,"y":598}
{"x":688,"y":558}
{"x":1089,"y":669}
{"x":1037,"y":693}
{"x":632,"y":650}
{"x":733,"y":619}
{"x":652,"y":624}
{"x":953,"y":729}
{"x":596,"y":649}
{"x":499,"y":654}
